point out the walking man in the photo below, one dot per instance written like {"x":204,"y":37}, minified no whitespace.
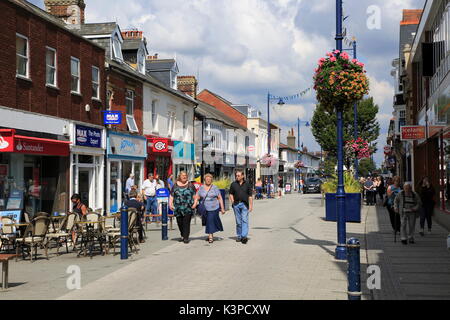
{"x":242,"y":200}
{"x":407,"y":204}
{"x":149,"y":189}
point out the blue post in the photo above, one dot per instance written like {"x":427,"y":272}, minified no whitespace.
{"x":354,"y":269}
{"x":341,"y":250}
{"x":299,"y":156}
{"x":164,"y":221}
{"x":268,"y":123}
{"x":355,"y":113}
{"x":124,"y":233}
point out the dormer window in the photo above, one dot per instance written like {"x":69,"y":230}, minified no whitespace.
{"x":117,"y":48}
{"x":141,"y":61}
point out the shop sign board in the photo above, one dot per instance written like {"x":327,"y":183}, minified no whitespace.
{"x":112,"y":117}
{"x":88,"y":137}
{"x":412,"y":133}
{"x":127,"y":145}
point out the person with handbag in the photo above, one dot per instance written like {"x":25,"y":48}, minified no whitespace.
{"x":183,"y":202}
{"x":210,"y":205}
{"x":407,"y":204}
{"x":392,"y":191}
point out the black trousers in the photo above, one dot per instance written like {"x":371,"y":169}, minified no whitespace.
{"x":139,"y":225}
{"x":395,"y":218}
{"x":426,"y":214}
{"x":184,"y":224}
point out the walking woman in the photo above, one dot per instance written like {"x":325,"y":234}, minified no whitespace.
{"x":427,"y":193}
{"x":392,"y":192}
{"x":381,"y":188}
{"x":183,"y":202}
{"x":210,"y":196}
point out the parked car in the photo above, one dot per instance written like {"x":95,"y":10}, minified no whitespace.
{"x":312,"y":185}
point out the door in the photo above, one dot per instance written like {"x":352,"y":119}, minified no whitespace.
{"x":85,"y":186}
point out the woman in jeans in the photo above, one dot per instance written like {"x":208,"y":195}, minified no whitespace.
{"x":183,"y":202}
{"x":210,"y":196}
{"x":427,"y":193}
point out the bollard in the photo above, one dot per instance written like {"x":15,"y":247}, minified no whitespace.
{"x":123,"y":233}
{"x":164,"y":221}
{"x":354,"y":269}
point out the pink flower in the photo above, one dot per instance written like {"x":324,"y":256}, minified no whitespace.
{"x":329,"y":54}
{"x":360,"y":64}
{"x":354,"y":60}
{"x":336,"y":51}
{"x":321,"y":60}
{"x":333,"y":59}
{"x":345,"y":56}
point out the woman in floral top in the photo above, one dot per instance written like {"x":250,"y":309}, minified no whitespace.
{"x":183,"y":202}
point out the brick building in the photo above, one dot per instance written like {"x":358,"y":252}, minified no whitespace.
{"x":51,"y":100}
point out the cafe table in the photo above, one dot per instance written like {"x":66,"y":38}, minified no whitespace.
{"x":88,"y":233}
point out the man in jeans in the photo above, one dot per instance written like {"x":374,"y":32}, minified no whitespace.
{"x":149,"y":189}
{"x":241,"y":197}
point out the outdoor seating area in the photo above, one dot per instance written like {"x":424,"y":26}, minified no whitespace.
{"x":88,"y":235}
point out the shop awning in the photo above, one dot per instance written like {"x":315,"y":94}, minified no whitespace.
{"x":10,"y":142}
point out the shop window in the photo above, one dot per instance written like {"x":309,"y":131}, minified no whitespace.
{"x":22,"y":56}
{"x":85,"y":159}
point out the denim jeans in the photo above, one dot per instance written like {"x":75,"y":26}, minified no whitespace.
{"x":241,"y":214}
{"x":151,"y":206}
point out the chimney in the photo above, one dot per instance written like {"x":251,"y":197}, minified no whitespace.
{"x":155,"y":57}
{"x":70,"y":11}
{"x":188,"y":85}
{"x":132,"y":34}
{"x":291,"y":139}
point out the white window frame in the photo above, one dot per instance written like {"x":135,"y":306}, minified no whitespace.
{"x":116,"y":48}
{"x":131,"y":123}
{"x":170,"y":122}
{"x":72,"y":75}
{"x":97,"y":97}
{"x":141,"y":61}
{"x":55,"y":67}
{"x":129,"y":99}
{"x":154,"y":115}
{"x":27,"y":76}
{"x":185,"y":122}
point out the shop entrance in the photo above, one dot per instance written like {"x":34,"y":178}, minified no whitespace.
{"x":85,"y":186}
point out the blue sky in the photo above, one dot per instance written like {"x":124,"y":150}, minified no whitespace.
{"x":241,"y":49}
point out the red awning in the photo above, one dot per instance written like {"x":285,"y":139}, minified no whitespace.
{"x":10,"y":142}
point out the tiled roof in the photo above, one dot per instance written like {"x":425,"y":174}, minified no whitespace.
{"x":90,"y":29}
{"x":160,"y":65}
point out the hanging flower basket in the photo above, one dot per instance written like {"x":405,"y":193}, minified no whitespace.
{"x":299,"y":165}
{"x":357,"y":149}
{"x":339,"y":81}
{"x":268,"y":161}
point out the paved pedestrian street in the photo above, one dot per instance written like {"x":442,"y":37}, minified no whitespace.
{"x":290,"y":256}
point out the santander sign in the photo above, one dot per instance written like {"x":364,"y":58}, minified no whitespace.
{"x":27,"y":147}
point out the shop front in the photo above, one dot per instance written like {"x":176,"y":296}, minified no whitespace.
{"x":33,"y":173}
{"x":159,"y":157}
{"x":87,"y":164}
{"x":229,"y":163}
{"x":183,"y":158}
{"x":126,"y":154}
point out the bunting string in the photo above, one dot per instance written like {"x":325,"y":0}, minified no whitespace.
{"x":290,"y":98}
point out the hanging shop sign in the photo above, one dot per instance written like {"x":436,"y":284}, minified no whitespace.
{"x":112,"y":117}
{"x":88,"y":137}
{"x":412,"y":133}
{"x":160,"y":145}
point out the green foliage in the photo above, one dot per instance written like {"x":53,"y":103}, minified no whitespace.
{"x":324,"y":126}
{"x":366,"y":167}
{"x":351,"y":185}
{"x":223,"y":184}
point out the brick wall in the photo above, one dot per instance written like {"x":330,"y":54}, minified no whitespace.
{"x":34,"y":95}
{"x":209,"y":98}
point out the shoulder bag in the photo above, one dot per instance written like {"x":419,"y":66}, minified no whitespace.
{"x":201,"y":208}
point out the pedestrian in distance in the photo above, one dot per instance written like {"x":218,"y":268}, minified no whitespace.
{"x":392,"y":191}
{"x":209,"y":196}
{"x":427,"y":193}
{"x":149,"y":188}
{"x":368,"y":187}
{"x":182,"y":202}
{"x":133,"y":202}
{"x":407,"y":204}
{"x":259,"y":189}
{"x":381,"y":188}
{"x":129,"y":184}
{"x":242,"y":202}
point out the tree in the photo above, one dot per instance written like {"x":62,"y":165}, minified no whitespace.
{"x":324,"y":126}
{"x":366,"y":167}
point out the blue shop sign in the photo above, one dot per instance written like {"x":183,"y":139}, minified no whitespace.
{"x":88,"y":137}
{"x":112,"y":117}
{"x":162,"y":193}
